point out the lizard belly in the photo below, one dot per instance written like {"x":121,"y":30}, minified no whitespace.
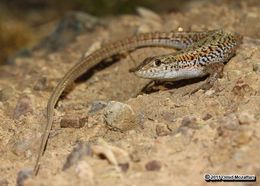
{"x":184,"y":74}
{"x":175,"y":75}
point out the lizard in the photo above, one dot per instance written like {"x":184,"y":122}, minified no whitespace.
{"x":186,"y":42}
{"x":206,"y":56}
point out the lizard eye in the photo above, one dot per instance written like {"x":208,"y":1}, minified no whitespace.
{"x":157,"y":62}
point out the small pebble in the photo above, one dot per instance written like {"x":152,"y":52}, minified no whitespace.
{"x":189,"y":121}
{"x":97,"y":106}
{"x":153,"y":165}
{"x":124,"y":166}
{"x":207,"y":116}
{"x":119,"y":116}
{"x":256,"y":67}
{"x":210,"y":92}
{"x":229,"y":122}
{"x":72,"y":121}
{"x":245,"y":118}
{"x":22,"y":176}
{"x":22,"y":146}
{"x":162,"y":130}
{"x":77,"y":154}
{"x":135,"y":156}
{"x":241,"y":88}
{"x":23,"y":107}
{"x":114,"y":155}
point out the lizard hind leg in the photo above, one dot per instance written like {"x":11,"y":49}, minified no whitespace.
{"x":215,"y":71}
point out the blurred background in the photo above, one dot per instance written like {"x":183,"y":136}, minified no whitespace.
{"x":24,"y":22}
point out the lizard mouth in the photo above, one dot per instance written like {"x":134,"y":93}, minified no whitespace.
{"x":137,"y":71}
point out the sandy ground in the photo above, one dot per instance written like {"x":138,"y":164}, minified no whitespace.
{"x":159,"y":137}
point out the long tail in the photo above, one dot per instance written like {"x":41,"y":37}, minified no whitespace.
{"x":177,"y":40}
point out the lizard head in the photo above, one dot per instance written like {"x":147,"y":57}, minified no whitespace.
{"x":157,"y":67}
{"x":168,"y":67}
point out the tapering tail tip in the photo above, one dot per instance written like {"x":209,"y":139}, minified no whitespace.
{"x":36,"y":169}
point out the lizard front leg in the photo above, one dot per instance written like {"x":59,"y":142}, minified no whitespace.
{"x":215,"y":71}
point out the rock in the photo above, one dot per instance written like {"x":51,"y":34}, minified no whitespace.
{"x":119,"y":116}
{"x":72,"y":25}
{"x":162,"y":130}
{"x":189,"y":121}
{"x":115,"y":155}
{"x":124,"y":167}
{"x":22,"y":145}
{"x":23,"y":107}
{"x":207,"y":116}
{"x":245,"y":118}
{"x":241,"y":88}
{"x":97,"y":105}
{"x":229,"y":122}
{"x":73,"y":121}
{"x":256,"y":67}
{"x":153,"y":165}
{"x":135,"y":156}
{"x":210,"y":92}
{"x":22,"y":176}
{"x":77,"y":154}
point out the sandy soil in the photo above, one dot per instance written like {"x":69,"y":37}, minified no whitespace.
{"x":160,"y":137}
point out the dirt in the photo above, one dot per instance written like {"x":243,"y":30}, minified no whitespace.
{"x":172,"y":140}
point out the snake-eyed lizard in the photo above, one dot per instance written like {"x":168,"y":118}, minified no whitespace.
{"x":199,"y":54}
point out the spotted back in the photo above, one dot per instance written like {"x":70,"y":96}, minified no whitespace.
{"x":217,"y":47}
